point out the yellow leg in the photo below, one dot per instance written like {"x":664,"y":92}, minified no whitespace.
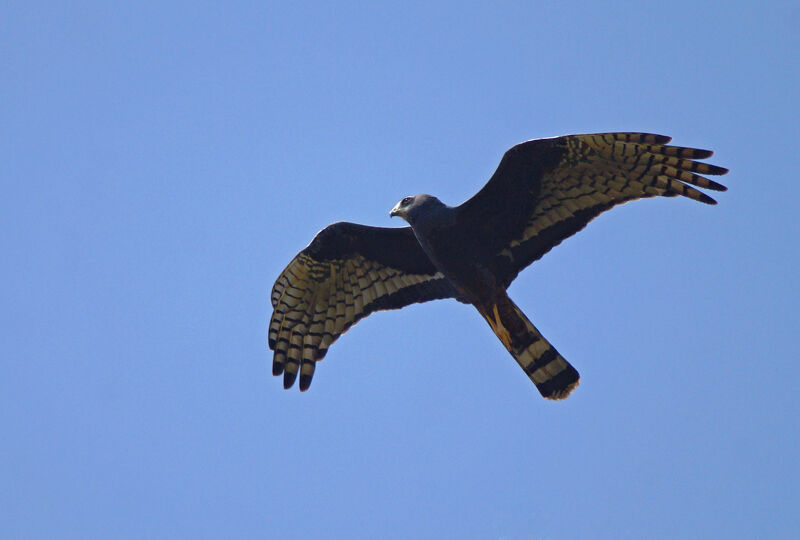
{"x":498,"y":328}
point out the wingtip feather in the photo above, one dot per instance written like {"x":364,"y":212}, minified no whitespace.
{"x":703,"y":198}
{"x":715,"y":186}
{"x":289,"y":377}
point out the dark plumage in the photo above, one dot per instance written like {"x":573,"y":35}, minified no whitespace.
{"x":543,"y":191}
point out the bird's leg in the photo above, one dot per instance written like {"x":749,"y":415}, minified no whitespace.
{"x":493,"y":318}
{"x":502,"y":318}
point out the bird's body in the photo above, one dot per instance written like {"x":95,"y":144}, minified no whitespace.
{"x":543,"y":191}
{"x":438,"y":234}
{"x":473,"y":272}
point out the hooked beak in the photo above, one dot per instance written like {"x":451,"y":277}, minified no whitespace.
{"x":396,"y":211}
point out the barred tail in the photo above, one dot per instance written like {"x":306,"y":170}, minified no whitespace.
{"x":553,"y":376}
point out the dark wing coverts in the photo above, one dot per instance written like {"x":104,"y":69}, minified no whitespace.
{"x":546,"y":190}
{"x":347,"y":272}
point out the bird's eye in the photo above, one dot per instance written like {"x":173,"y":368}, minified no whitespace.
{"x":406,"y":201}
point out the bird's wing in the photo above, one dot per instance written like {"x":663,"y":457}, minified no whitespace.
{"x":546,"y":190}
{"x":347,"y":272}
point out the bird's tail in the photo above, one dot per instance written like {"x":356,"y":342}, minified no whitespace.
{"x":553,"y":376}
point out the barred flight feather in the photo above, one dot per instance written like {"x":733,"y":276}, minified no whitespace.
{"x":595,"y":173}
{"x":320,"y":295}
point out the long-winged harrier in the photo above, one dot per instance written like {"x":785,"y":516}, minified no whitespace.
{"x":543,"y":191}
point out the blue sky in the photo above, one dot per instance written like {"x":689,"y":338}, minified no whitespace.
{"x":162,"y":162}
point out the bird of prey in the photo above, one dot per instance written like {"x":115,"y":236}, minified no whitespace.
{"x":543,"y":191}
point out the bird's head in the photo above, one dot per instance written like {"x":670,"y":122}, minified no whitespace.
{"x":410,"y":208}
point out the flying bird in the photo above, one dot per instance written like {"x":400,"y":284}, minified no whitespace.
{"x":543,"y":191}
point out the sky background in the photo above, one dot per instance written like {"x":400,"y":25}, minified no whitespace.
{"x":162,"y":162}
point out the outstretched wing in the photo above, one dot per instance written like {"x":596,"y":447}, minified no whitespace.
{"x":546,"y":190}
{"x":347,"y":272}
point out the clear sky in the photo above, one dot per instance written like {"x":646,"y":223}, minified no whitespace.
{"x":162,"y":162}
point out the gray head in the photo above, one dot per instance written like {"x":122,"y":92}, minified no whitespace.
{"x":411,"y":208}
